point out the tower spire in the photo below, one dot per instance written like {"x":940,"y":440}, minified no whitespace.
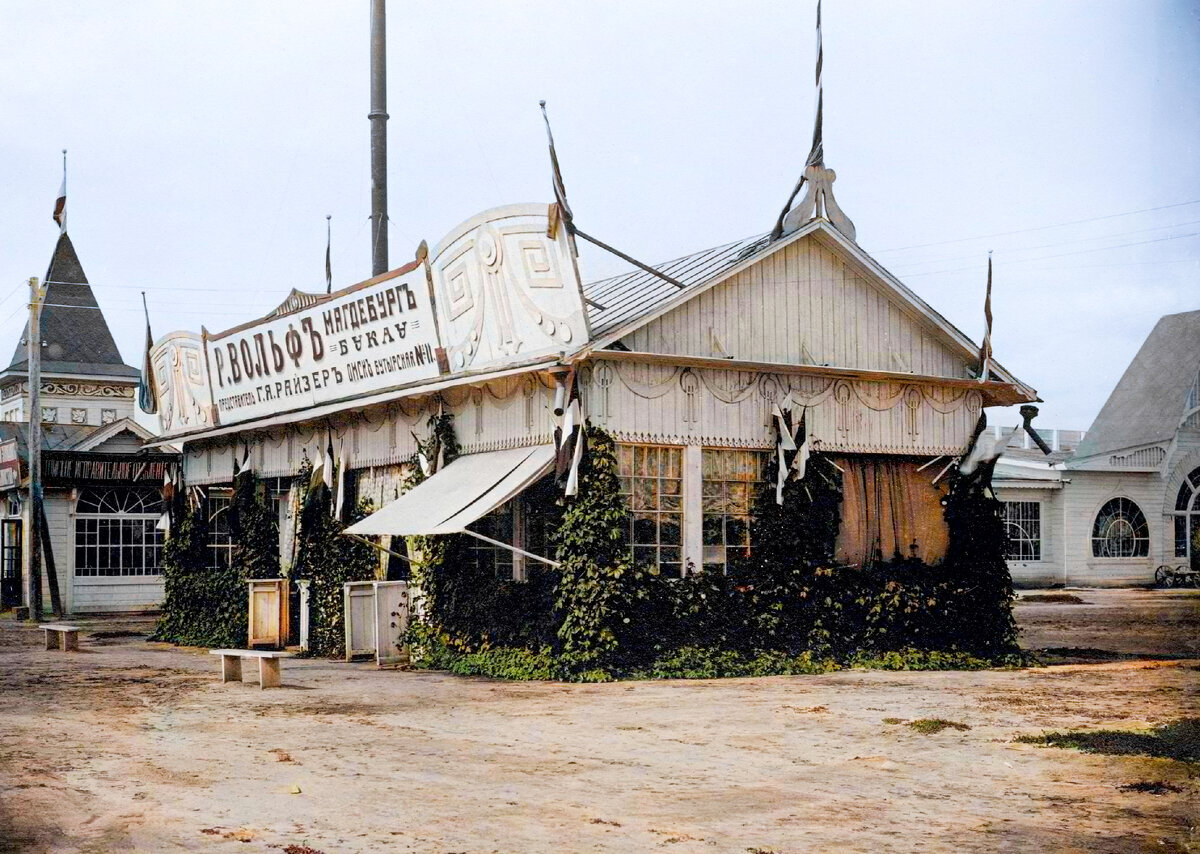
{"x":818,"y":201}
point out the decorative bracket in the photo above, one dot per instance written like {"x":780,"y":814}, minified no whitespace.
{"x":818,"y":201}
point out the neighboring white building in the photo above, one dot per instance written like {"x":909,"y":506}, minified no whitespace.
{"x":1127,"y":500}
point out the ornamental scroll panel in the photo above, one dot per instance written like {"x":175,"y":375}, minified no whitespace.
{"x":655,"y":403}
{"x":182,"y":379}
{"x":507,"y":290}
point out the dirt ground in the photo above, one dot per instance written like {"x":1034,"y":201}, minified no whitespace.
{"x":133,"y":746}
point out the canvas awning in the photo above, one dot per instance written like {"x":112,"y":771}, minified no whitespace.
{"x":465,"y":490}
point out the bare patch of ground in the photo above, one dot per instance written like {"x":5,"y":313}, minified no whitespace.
{"x":131,"y":745}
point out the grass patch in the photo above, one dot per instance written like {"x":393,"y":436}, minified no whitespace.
{"x":932,"y":726}
{"x":893,"y":721}
{"x":1179,"y":740}
{"x":1156,"y":787}
{"x":1051,"y":599}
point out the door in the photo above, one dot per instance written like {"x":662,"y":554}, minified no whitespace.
{"x":267,"y":605}
{"x":10,"y":563}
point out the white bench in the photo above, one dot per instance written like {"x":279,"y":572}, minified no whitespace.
{"x":61,"y":636}
{"x":268,"y":665}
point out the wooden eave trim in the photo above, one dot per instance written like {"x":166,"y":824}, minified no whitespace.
{"x":385,"y":396}
{"x":994,"y":393}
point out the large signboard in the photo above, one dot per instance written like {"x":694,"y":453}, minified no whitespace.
{"x":365,"y":339}
{"x":500,"y":289}
{"x":70,"y":468}
{"x":10,"y":465}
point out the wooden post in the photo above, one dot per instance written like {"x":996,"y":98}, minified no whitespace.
{"x":34,"y":345}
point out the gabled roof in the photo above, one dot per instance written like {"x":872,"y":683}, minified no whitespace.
{"x":75,"y":336}
{"x":76,"y":437}
{"x":1151,"y":397}
{"x":620,"y":304}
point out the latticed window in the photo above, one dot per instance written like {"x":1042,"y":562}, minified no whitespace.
{"x":1023,"y":522}
{"x":731,"y":479}
{"x":652,"y":486}
{"x":1120,"y":530}
{"x":116,"y":533}
{"x":220,"y":534}
{"x":488,"y":558}
{"x":1187,"y":517}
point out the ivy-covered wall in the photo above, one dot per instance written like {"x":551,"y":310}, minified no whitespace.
{"x":789,"y":602}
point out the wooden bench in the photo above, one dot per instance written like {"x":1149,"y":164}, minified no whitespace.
{"x":61,"y":636}
{"x":268,"y":665}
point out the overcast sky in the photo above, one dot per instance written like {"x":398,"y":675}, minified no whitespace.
{"x":208,"y":141}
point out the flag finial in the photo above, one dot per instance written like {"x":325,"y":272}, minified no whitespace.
{"x":560,"y":191}
{"x":60,"y":203}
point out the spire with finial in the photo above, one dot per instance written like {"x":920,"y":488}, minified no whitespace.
{"x":818,"y":201}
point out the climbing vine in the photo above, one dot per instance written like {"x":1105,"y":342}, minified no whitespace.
{"x":328,"y":560}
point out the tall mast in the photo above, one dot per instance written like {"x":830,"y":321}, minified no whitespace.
{"x":378,"y":117}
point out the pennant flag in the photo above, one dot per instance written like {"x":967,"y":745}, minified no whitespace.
{"x":339,"y":491}
{"x":985,"y":349}
{"x":800,"y":461}
{"x":168,"y":501}
{"x":569,"y":440}
{"x":560,"y":191}
{"x":147,"y":387}
{"x":816,"y":154}
{"x":60,"y":204}
{"x":328,"y":257}
{"x":986,"y":449}
{"x":327,"y":463}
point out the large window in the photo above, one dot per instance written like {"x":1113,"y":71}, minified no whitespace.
{"x":652,"y":486}
{"x":1187,"y":518}
{"x":488,"y":558}
{"x":1120,"y":530}
{"x":116,"y":533}
{"x":220,"y":534}
{"x":1023,"y":522}
{"x":731,"y":479}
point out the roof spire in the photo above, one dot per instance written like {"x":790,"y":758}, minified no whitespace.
{"x":818,"y":201}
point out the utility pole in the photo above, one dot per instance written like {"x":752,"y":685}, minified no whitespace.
{"x":378,"y":117}
{"x":34,"y":528}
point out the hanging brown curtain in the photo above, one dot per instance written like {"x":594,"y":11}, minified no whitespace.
{"x":887,"y":505}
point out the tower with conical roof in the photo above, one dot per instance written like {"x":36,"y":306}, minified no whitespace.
{"x":84,"y":379}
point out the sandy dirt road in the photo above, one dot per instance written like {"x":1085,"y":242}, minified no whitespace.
{"x":132,"y":746}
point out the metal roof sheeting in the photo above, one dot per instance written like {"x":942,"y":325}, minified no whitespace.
{"x":630,"y":295}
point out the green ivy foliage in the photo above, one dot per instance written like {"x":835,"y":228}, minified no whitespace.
{"x":600,"y":591}
{"x":328,"y":560}
{"x":254,"y":525}
{"x":202,"y":605}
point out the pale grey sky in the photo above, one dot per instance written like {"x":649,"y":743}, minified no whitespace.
{"x":208,"y":140}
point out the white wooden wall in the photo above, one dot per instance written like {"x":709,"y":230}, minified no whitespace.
{"x":802,"y":305}
{"x":1048,"y":570}
{"x":658,"y":403}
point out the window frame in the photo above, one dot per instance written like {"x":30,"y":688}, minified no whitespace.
{"x":724,"y":485}
{"x":1016,"y":549}
{"x":1186,"y":517}
{"x":1136,"y":520}
{"x":109,"y":533}
{"x":632,"y":469}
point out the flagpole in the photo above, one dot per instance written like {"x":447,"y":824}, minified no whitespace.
{"x":328,"y":259}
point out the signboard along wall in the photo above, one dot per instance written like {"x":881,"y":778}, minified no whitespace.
{"x":507,"y":289}
{"x":367,"y":339}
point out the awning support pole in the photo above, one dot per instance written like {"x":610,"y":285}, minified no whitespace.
{"x":378,"y":547}
{"x":511,"y":548}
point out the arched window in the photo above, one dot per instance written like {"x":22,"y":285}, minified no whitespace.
{"x":1120,"y":530}
{"x":116,"y":532}
{"x":1187,"y":517}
